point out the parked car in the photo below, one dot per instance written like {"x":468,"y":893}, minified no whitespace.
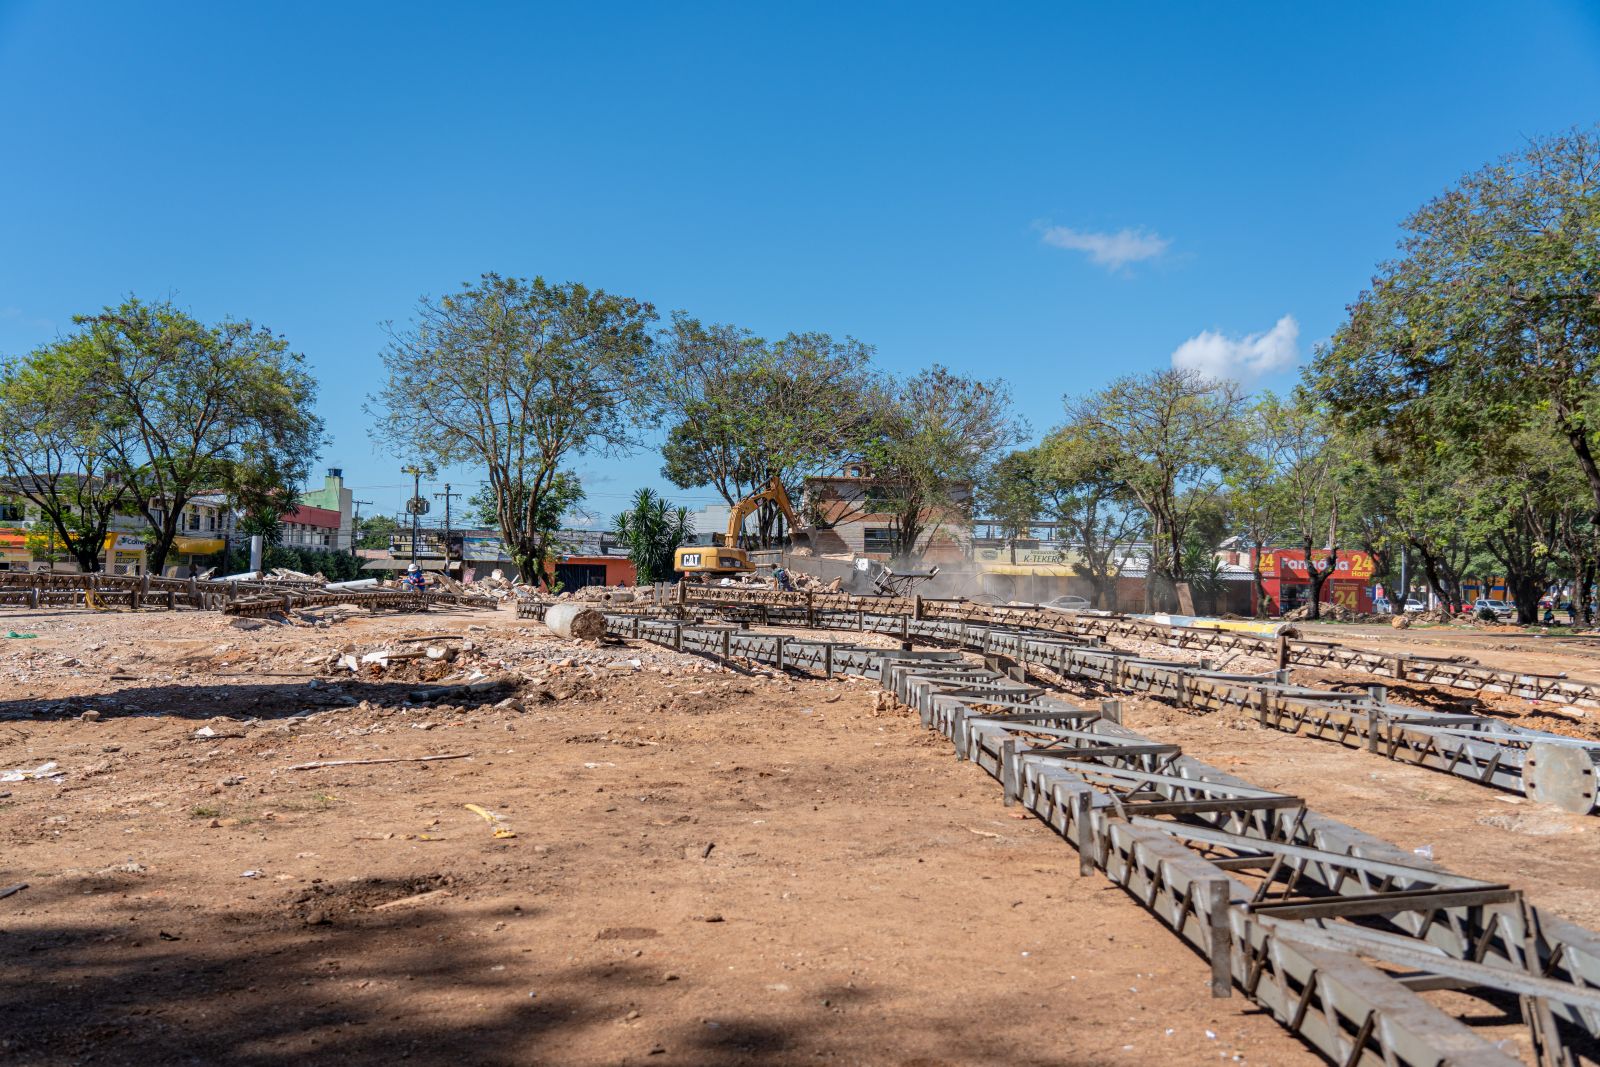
{"x":1067,"y":603}
{"x":1502,"y":608}
{"x":1413,"y":604}
{"x":1380,"y":605}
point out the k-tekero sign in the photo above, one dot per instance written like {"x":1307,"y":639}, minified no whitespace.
{"x":1291,"y":563}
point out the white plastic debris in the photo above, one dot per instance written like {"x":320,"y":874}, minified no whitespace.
{"x":23,"y":774}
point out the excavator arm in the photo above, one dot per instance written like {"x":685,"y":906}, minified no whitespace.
{"x":773,"y":491}
{"x":694,"y":561}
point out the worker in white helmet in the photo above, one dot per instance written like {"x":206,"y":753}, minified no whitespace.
{"x":414,"y":579}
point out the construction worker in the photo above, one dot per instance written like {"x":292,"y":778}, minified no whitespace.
{"x":414,"y":579}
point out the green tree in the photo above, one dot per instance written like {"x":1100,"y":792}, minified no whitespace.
{"x":933,"y":440}
{"x":58,"y":450}
{"x":376,"y":530}
{"x":1487,"y":320}
{"x":1097,"y":514}
{"x":1368,"y":518}
{"x":187,"y":407}
{"x":565,"y":494}
{"x":653,"y":530}
{"x":1010,"y":495}
{"x":1309,"y":491}
{"x":1517,"y":508}
{"x":742,"y":410}
{"x":517,"y":377}
{"x":263,"y":492}
{"x":1254,"y":495}
{"x":1168,"y":437}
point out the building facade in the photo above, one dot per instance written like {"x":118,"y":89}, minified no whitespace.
{"x":852,"y":516}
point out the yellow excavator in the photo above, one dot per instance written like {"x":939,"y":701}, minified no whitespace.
{"x":724,"y":556}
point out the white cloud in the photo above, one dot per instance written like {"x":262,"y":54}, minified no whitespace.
{"x":1110,"y":250}
{"x":1242,"y":359}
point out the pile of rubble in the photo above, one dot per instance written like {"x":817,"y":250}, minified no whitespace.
{"x":1332,"y":613}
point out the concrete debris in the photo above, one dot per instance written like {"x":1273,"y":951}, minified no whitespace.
{"x":575,"y":620}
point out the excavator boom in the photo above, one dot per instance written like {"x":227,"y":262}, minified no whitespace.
{"x":728,"y":558}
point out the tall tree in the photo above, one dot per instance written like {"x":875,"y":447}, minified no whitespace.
{"x":742,"y":410}
{"x":1098,"y":516}
{"x":653,"y":530}
{"x":933,"y":440}
{"x":1306,"y":482}
{"x":58,"y":451}
{"x":517,"y":377}
{"x":1255,"y":497}
{"x":1168,"y":437}
{"x":376,"y":531}
{"x":1011,"y":496}
{"x":192,"y":402}
{"x":1515,"y":511}
{"x":1488,"y":317}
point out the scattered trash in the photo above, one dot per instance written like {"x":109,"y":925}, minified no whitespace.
{"x":364,"y":762}
{"x":227,"y":730}
{"x":251,"y":874}
{"x":12,"y":890}
{"x":22,"y":774}
{"x":13,"y":635}
{"x":413,"y":900}
{"x":493,"y":819}
{"x":1426,"y":852}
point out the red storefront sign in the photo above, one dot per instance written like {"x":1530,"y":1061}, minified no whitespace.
{"x":1290,"y":564}
{"x":1287,"y":583}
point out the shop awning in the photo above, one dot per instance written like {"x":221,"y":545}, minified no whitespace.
{"x":402,"y":564}
{"x":198,"y":546}
{"x":1039,"y":570}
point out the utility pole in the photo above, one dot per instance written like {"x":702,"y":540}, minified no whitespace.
{"x":416,"y":505}
{"x":447,"y":495}
{"x":355,"y":524}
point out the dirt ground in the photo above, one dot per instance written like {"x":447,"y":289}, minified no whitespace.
{"x":672,"y":864}
{"x":678,"y":866}
{"x":1511,"y":647}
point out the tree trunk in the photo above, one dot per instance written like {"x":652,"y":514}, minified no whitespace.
{"x":1526,"y":589}
{"x":1578,"y":438}
{"x":1585,"y":581}
{"x":1314,"y":611}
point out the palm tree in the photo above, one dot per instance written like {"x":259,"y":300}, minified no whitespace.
{"x":653,"y":530}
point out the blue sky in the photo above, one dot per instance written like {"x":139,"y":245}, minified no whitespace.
{"x":1051,"y":193}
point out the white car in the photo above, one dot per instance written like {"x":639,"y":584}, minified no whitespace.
{"x":1067,"y":603}
{"x":1413,"y":604}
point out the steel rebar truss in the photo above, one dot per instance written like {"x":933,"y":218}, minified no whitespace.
{"x":1337,"y":933}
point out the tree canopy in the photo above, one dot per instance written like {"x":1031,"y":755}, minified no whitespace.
{"x":517,"y":376}
{"x":741,"y":410}
{"x":145,"y":406}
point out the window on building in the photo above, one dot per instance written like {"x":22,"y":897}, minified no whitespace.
{"x":10,"y":511}
{"x":194,"y":520}
{"x":877,"y":539}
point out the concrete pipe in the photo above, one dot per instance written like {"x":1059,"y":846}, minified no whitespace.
{"x":581,"y":622}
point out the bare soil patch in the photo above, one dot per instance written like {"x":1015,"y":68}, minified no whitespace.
{"x":672,"y":864}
